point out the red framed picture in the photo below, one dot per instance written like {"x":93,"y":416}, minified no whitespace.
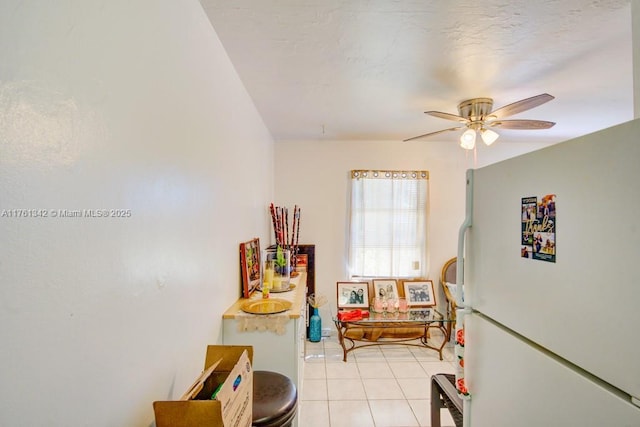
{"x":250,"y":266}
{"x":301,"y":262}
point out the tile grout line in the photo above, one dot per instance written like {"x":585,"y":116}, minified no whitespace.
{"x":327,"y":350}
{"x":415,"y":416}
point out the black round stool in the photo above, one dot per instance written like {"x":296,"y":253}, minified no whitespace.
{"x":275,"y":400}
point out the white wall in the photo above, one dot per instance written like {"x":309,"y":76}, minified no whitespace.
{"x":119,"y":105}
{"x":315,"y":175}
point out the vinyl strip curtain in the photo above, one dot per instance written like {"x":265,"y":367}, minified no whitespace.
{"x":388,"y":223}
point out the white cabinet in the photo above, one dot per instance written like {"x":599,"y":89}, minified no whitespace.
{"x":278,"y":340}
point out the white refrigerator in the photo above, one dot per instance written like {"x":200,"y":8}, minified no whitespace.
{"x":553,"y":335}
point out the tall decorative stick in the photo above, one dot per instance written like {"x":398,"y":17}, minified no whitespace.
{"x":272,"y":210}
{"x":298,"y":230}
{"x":278,"y":225}
{"x":293,"y":226}
{"x":282,"y":241}
{"x":286,"y":220}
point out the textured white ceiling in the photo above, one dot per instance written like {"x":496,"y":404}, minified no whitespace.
{"x":367,"y":70}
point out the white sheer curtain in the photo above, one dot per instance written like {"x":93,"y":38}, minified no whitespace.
{"x":388,"y":223}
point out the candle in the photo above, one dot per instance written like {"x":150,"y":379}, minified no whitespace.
{"x":377,"y":305}
{"x":267,"y":278}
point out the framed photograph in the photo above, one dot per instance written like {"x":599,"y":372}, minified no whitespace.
{"x":250,"y":266}
{"x":385,"y":288}
{"x":353,"y":294}
{"x":424,"y":314}
{"x":419,"y":293}
{"x":302,"y":260}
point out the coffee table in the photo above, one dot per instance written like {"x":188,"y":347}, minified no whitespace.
{"x":416,"y":320}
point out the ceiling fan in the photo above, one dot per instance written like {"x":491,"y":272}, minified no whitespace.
{"x":476,"y":116}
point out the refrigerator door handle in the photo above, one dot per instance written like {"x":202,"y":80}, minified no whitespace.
{"x":463,"y":306}
{"x":468,"y":217}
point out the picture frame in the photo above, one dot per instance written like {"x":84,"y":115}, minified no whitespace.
{"x":419,"y":293}
{"x":386,"y":288}
{"x":250,"y":267}
{"x":302,"y":261}
{"x":421,"y":314}
{"x":352,"y":294}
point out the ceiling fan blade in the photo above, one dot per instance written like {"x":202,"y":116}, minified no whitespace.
{"x":521,"y":124}
{"x":433,"y":133}
{"x":447,"y":116}
{"x":520,"y":106}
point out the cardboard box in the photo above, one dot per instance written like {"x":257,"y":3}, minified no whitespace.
{"x":228,"y":374}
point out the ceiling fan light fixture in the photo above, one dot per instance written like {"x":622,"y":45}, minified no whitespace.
{"x":488,"y":136}
{"x":468,"y":139}
{"x":476,"y":114}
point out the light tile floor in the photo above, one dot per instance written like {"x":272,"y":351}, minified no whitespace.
{"x":385,"y":386}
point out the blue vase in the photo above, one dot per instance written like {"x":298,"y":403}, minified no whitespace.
{"x":315,"y":326}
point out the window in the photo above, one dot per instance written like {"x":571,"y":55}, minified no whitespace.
{"x":388,"y":223}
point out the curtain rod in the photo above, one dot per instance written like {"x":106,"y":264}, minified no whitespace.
{"x":389,"y":174}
